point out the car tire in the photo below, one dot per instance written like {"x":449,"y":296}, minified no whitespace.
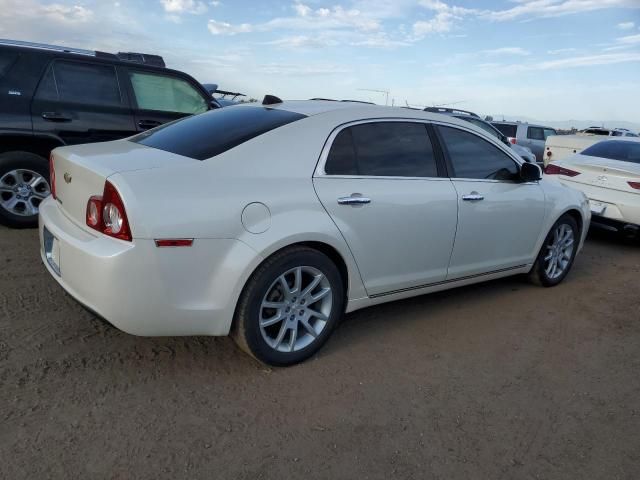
{"x":557,"y":254}
{"x":19,"y":170}
{"x":284,"y":325}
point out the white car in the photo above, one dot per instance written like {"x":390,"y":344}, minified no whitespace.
{"x":558,"y":147}
{"x":270,"y":221}
{"x":608,"y":173}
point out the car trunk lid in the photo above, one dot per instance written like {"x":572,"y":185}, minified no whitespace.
{"x":602,"y":172}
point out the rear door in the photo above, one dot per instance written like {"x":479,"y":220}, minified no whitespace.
{"x":535,"y":141}
{"x":499,"y":217}
{"x":160,"y":98}
{"x":384,"y":187}
{"x":81,"y":102}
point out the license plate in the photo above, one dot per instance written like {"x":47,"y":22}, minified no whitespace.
{"x":51,"y":250}
{"x":597,"y":208}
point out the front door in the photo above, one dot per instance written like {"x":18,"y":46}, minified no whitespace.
{"x":499,"y":217}
{"x":81,"y":102}
{"x":382,"y":187}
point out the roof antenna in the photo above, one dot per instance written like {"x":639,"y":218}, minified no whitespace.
{"x":271,"y":100}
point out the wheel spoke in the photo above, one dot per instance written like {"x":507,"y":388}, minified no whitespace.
{"x":281,"y":334}
{"x":311,"y":287}
{"x":292,"y":340}
{"x":321,"y":294}
{"x":6,"y":188}
{"x":318,"y":315}
{"x":285,"y":286}
{"x":273,"y":320}
{"x":308,"y":328}
{"x":276,"y":305}
{"x":297,"y":284}
{"x":11,"y":203}
{"x":30,"y":209}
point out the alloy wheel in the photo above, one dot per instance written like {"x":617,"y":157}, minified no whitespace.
{"x":22,"y":190}
{"x":559,"y":251}
{"x":296,"y":308}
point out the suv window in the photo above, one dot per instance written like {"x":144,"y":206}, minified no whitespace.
{"x":535,"y":133}
{"x":7,"y":59}
{"x":78,"y":82}
{"x":212,"y":133}
{"x":549,"y":132}
{"x":474,"y":157}
{"x":383,"y":149}
{"x":626,"y":151}
{"x":507,"y":129}
{"x":166,"y":94}
{"x":483,"y":125}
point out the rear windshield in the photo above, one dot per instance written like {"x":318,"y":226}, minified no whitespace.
{"x":626,"y":151}
{"x":7,"y":59}
{"x":212,"y":133}
{"x":506,"y":129}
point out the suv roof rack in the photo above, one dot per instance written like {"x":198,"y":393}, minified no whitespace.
{"x":454,"y":111}
{"x":155,"y":60}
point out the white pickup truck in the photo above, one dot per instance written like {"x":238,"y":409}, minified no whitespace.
{"x":558,"y":147}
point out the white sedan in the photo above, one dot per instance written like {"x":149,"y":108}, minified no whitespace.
{"x":270,"y":221}
{"x":608,"y":172}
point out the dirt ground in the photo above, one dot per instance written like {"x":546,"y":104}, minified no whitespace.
{"x":496,"y":381}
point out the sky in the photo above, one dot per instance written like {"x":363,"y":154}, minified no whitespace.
{"x":542,"y":59}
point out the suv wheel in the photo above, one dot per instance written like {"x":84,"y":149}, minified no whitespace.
{"x":24,"y":183}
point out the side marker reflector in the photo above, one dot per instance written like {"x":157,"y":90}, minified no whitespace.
{"x":174,"y":242}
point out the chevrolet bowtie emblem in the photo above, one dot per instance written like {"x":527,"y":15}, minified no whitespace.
{"x":67,"y":177}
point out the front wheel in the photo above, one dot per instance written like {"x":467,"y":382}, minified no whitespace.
{"x":557,"y":253}
{"x":289,"y":307}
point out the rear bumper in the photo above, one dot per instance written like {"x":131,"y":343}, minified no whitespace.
{"x":622,"y":207}
{"x":145,"y":290}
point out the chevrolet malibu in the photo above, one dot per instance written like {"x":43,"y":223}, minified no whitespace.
{"x":270,"y":221}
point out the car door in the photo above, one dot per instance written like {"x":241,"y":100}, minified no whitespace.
{"x":384,"y":187}
{"x":535,"y":141}
{"x":160,"y":98}
{"x":81,"y":102}
{"x":499,"y":217}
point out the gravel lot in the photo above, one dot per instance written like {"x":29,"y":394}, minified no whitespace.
{"x":501,"y":380}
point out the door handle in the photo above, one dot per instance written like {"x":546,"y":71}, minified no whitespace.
{"x":354,"y":199}
{"x":473,"y":197}
{"x":147,"y":124}
{"x":55,"y":117}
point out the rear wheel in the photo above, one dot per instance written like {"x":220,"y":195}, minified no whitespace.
{"x":24,"y":183}
{"x":557,"y":253}
{"x":289,"y":307}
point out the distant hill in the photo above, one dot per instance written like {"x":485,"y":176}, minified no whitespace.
{"x":568,"y":124}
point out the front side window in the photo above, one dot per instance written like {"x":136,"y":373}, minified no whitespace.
{"x":166,"y":94}
{"x":625,"y":151}
{"x":474,"y":157}
{"x":84,"y":83}
{"x":535,"y":133}
{"x":383,"y":149}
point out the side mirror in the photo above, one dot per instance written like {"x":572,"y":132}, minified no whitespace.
{"x":530,"y":172}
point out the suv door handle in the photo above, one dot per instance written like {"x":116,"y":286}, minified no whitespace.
{"x":354,"y":199}
{"x":473,"y":197}
{"x":55,"y":117}
{"x":147,"y":124}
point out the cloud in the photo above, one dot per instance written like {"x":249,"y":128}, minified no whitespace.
{"x":223,"y":28}
{"x":64,"y":13}
{"x":507,"y":51}
{"x":444,"y":19}
{"x":626,"y":25}
{"x":301,"y":70}
{"x":178,"y":7}
{"x":629,"y":40}
{"x":555,"y":8}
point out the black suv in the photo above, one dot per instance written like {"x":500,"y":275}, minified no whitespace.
{"x":52,"y":96}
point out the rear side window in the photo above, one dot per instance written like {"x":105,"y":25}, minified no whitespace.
{"x":84,"y":83}
{"x":383,"y":149}
{"x":626,"y":151}
{"x":549,"y":132}
{"x":7,"y":59}
{"x":212,"y":133}
{"x":507,"y":129}
{"x":474,"y":157}
{"x":535,"y":133}
{"x":166,"y":94}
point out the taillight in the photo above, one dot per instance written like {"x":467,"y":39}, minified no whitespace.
{"x":513,"y":140}
{"x":556,"y":170}
{"x":635,"y":185}
{"x":549,"y":153}
{"x":107,"y":214}
{"x":52,"y":176}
